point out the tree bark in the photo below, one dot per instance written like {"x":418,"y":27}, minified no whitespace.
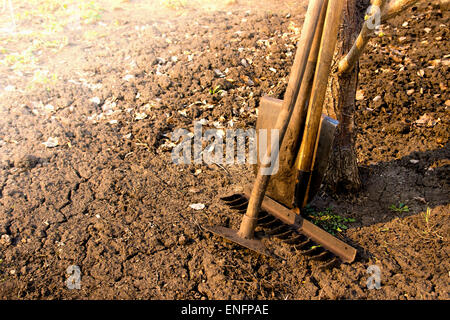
{"x":342,"y":174}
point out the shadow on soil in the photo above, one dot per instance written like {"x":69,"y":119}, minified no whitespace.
{"x":417,"y":181}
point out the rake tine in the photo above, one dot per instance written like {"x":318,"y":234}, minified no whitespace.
{"x":320,"y":257}
{"x":310,"y":252}
{"x":284,"y":235}
{"x":300,"y":245}
{"x":295,"y":239}
{"x":266,"y":219}
{"x":236,"y":202}
{"x":239,"y":207}
{"x":329,"y":264}
{"x":264,"y":216}
{"x":270,"y":223}
{"x":232,"y":197}
{"x":275,"y":231}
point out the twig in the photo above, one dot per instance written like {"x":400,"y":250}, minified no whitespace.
{"x":389,"y":9}
{"x":349,"y":61}
{"x":394,"y":7}
{"x":222,"y":167}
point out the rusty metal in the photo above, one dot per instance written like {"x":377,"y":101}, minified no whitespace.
{"x":304,"y":234}
{"x":282,"y":185}
{"x":254,"y":244}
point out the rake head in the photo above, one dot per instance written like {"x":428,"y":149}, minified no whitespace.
{"x":281,"y":223}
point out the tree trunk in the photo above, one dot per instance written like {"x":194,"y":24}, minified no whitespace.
{"x":342,"y":174}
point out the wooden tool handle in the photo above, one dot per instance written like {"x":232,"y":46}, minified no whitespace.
{"x":293,"y":139}
{"x":327,"y":47}
{"x":304,"y":46}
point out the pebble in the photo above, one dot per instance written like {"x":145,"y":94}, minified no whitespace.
{"x":359,"y":95}
{"x":377,"y":98}
{"x":95,"y":100}
{"x":197,"y":206}
{"x":182,"y":240}
{"x":5,"y":239}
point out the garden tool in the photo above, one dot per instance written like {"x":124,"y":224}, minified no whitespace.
{"x":306,"y":138}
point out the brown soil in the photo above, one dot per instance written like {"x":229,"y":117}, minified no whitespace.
{"x":109,"y":200}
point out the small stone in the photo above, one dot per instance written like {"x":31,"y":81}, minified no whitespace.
{"x":5,"y":239}
{"x":427,"y":121}
{"x":128,"y":77}
{"x":359,"y":95}
{"x":95,"y":100}
{"x":377,"y":98}
{"x":49,"y":108}
{"x":197,"y":206}
{"x":420,"y":199}
{"x":182,"y":240}
{"x":140,"y":116}
{"x":51,"y":142}
{"x":219,"y":73}
{"x":410,"y":92}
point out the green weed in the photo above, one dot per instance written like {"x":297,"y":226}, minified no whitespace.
{"x":214,"y":91}
{"x":327,"y":220}
{"x":400,"y":208}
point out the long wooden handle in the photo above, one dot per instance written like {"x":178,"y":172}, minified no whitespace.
{"x":327,"y":47}
{"x":298,"y":118}
{"x":249,"y":220}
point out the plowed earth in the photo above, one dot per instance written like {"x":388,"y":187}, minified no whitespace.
{"x":109,"y":199}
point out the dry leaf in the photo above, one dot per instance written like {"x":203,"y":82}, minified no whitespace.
{"x":140,"y":116}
